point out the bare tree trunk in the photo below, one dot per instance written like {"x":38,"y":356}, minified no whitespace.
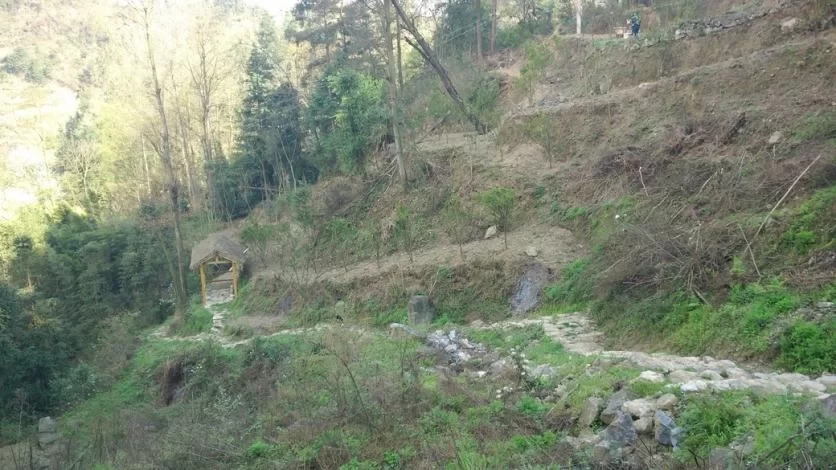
{"x":204,"y":81}
{"x":427,"y":53}
{"x":393,"y":91}
{"x":400,"y":57}
{"x":493,"y":27}
{"x":578,"y":5}
{"x":188,"y":162}
{"x":145,"y":164}
{"x":171,"y":177}
{"x":477,"y":5}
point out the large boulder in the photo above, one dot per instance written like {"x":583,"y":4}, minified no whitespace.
{"x":789,"y":25}
{"x":829,"y":382}
{"x":48,"y":434}
{"x":604,"y":452}
{"x":667,"y":433}
{"x":526,"y":294}
{"x":621,"y":430}
{"x":47,"y":425}
{"x":614,"y":404}
{"x":420,"y":310}
{"x":589,"y":413}
{"x":644,"y":425}
{"x":667,"y":402}
{"x":490,"y":232}
{"x":639,"y":408}
{"x":541,"y":371}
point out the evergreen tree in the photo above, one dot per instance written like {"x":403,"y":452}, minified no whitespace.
{"x":269,"y":148}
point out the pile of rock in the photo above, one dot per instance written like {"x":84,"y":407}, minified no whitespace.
{"x":629,"y":421}
{"x":456,"y":349}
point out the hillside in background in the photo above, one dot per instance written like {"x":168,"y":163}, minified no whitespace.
{"x":474,"y":239}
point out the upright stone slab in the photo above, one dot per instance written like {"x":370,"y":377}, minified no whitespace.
{"x":526,"y":295}
{"x":420,"y":310}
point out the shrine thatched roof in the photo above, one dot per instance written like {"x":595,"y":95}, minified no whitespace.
{"x":216,"y":245}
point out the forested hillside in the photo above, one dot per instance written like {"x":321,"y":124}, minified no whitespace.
{"x":477,"y":234}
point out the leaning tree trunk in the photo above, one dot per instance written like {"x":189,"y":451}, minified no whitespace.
{"x":427,"y":53}
{"x":171,"y":177}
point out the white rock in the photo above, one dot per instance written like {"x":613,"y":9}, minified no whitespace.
{"x":644,"y":425}
{"x":490,"y":232}
{"x":776,"y":137}
{"x":639,"y":408}
{"x":829,"y":382}
{"x":765,"y":386}
{"x":481,"y":374}
{"x":652,"y":376}
{"x":667,"y":401}
{"x":789,"y":25}
{"x":682,"y":376}
{"x":589,"y":413}
{"x":808,"y":386}
{"x":694,"y":386}
{"x":791,"y":378}
{"x":451,"y":348}
{"x":711,"y":375}
{"x":532,"y":251}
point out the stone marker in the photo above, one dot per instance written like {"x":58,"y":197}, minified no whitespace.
{"x":420,"y":310}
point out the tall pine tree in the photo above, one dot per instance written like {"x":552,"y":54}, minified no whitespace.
{"x":269,"y":147}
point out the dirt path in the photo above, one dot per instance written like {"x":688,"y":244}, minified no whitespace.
{"x":578,"y":335}
{"x":644,"y":89}
{"x":555,"y":247}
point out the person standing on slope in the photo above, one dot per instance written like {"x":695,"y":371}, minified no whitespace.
{"x":635,"y":24}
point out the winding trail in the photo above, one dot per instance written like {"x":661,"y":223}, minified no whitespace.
{"x":577,"y":333}
{"x":556,"y":247}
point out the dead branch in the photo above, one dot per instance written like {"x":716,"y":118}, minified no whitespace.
{"x":797,"y":179}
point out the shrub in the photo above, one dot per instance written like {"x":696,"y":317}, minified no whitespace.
{"x":816,"y":126}
{"x":258,"y":450}
{"x":573,"y":287}
{"x":531,"y":407}
{"x":809,"y":348}
{"x":809,"y":227}
{"x":785,"y":431}
{"x":712,"y":421}
{"x":198,"y":320}
{"x":500,"y":203}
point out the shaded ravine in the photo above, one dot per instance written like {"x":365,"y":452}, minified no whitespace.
{"x":578,"y":335}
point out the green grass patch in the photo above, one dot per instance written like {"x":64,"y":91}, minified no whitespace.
{"x":809,"y":348}
{"x":816,"y":126}
{"x":646,"y":388}
{"x":574,"y":289}
{"x":199,"y":320}
{"x":811,"y":226}
{"x":508,"y":338}
{"x":781,"y":426}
